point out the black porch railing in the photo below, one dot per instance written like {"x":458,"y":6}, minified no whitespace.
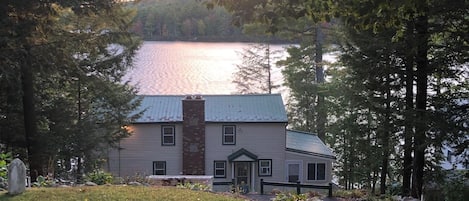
{"x":224,"y":183}
{"x":298,"y":186}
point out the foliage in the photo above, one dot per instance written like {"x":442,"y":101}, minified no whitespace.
{"x":360,"y":107}
{"x":399,"y":52}
{"x":5,"y":159}
{"x":300,"y":77}
{"x":254,"y":75}
{"x":100,"y":177}
{"x":42,"y":182}
{"x":420,"y":33}
{"x":137,"y":177}
{"x":194,"y":186}
{"x":290,"y":197}
{"x":64,"y":79}
{"x":349,"y":193}
{"x":456,"y":187}
{"x":183,"y":20}
{"x":112,"y":193}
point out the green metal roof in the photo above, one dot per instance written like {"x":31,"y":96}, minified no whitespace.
{"x":307,"y":143}
{"x":218,"y":108}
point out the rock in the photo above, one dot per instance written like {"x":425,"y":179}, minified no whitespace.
{"x":89,"y":183}
{"x":409,"y":199}
{"x":16,"y":177}
{"x":134,"y":183}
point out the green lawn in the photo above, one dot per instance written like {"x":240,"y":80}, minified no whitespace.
{"x":112,"y":193}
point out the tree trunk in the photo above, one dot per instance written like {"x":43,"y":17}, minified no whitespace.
{"x":373,"y":186}
{"x":386,"y":135}
{"x":421,"y":105}
{"x":269,"y":68}
{"x":30,"y":126}
{"x":79,"y":173}
{"x":408,"y":115}
{"x":321,"y":108}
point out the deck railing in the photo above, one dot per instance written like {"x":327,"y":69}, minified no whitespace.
{"x":224,"y":183}
{"x":298,"y":186}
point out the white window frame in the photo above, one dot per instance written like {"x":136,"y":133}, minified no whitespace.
{"x":268,"y":167}
{"x":316,"y":172}
{"x":215,"y":168}
{"x":229,"y":134}
{"x":291,"y":162}
{"x":155,"y":167}
{"x":164,"y":135}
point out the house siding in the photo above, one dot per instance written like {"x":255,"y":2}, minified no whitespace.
{"x":266,"y":140}
{"x":305,"y":159}
{"x":142,"y":148}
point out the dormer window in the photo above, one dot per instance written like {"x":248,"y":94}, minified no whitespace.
{"x":229,"y":135}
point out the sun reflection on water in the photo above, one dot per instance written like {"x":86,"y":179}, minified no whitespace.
{"x":187,"y":67}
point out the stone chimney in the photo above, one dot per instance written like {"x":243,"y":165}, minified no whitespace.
{"x":193,"y":132}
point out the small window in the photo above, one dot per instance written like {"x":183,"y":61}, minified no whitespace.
{"x":159,"y":167}
{"x":316,"y":171}
{"x":167,"y":135}
{"x":265,"y":167}
{"x":229,"y":135}
{"x":219,"y":169}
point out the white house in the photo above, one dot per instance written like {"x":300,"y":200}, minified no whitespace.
{"x":452,"y":161}
{"x":240,"y":138}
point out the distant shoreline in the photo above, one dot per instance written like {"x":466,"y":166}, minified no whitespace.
{"x":223,"y":39}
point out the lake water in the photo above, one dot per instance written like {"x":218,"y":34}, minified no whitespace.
{"x":174,"y":68}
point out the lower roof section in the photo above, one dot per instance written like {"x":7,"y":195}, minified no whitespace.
{"x":307,"y":143}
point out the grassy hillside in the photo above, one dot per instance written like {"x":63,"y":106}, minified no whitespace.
{"x":113,"y":193}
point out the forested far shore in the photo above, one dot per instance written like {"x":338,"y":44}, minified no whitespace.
{"x":189,"y":20}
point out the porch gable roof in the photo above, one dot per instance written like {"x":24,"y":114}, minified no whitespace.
{"x":242,"y":155}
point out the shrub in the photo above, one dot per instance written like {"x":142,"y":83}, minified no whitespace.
{"x":290,"y":197}
{"x":43,"y":182}
{"x":100,"y":177}
{"x":312,"y":194}
{"x":5,"y":158}
{"x":138,"y":177}
{"x":194,"y":186}
{"x":349,"y":193}
{"x":455,"y":186}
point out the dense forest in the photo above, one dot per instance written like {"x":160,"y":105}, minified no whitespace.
{"x":189,"y":20}
{"x":62,"y":99}
{"x":397,"y":98}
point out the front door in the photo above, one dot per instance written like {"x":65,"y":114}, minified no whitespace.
{"x":242,"y":173}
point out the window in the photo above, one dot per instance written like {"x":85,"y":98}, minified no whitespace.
{"x":167,"y":135}
{"x":159,"y":167}
{"x":316,"y":171}
{"x":219,"y":169}
{"x":229,"y":135}
{"x":293,"y":172}
{"x":265,"y":167}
